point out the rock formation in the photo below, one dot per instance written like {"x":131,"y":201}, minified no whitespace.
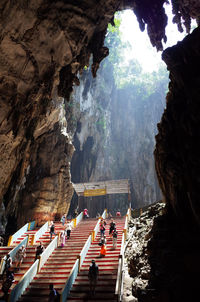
{"x":43,"y":45}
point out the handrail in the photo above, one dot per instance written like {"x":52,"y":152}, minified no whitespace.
{"x":119,"y":282}
{"x":84,"y":251}
{"x":20,"y":287}
{"x":39,"y":233}
{"x":13,"y":252}
{"x":76,"y":220}
{"x":70,"y":281}
{"x":47,"y":252}
{"x":20,"y":232}
{"x":76,"y":268}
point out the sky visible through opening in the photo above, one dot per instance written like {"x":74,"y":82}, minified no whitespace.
{"x":141,"y":47}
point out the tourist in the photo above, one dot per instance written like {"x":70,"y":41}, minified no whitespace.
{"x":54,"y":295}
{"x":102,"y":230}
{"x":63,"y":218}
{"x":85,"y":213}
{"x":103,"y":250}
{"x":8,"y":263}
{"x":39,"y":250}
{"x":112,"y":227}
{"x":114,"y":234}
{"x":62,"y":238}
{"x":93,"y":276}
{"x":20,"y":255}
{"x":52,"y":230}
{"x":7,"y":283}
{"x":118,"y":213}
{"x":68,"y":229}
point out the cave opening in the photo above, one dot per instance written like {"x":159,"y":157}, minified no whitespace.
{"x":119,"y":110}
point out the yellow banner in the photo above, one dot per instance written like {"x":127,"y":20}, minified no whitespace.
{"x":94,"y":192}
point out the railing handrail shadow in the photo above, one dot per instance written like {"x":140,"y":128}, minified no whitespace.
{"x":39,"y":233}
{"x":20,"y":287}
{"x":20,"y":232}
{"x":24,"y":282}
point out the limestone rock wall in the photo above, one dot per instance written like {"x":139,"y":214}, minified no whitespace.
{"x":42,"y":46}
{"x":177,"y":149}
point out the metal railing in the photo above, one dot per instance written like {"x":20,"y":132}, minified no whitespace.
{"x":70,"y":281}
{"x":47,"y":252}
{"x":12,"y":253}
{"x":39,"y":233}
{"x":76,"y":220}
{"x":20,"y":287}
{"x":76,"y":268}
{"x":20,"y":232}
{"x":119,"y":281}
{"x":24,"y":282}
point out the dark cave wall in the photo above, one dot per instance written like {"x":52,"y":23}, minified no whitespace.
{"x":177,"y":148}
{"x":42,"y":46}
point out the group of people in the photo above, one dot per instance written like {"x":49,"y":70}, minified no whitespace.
{"x":8,"y":272}
{"x":112,"y":235}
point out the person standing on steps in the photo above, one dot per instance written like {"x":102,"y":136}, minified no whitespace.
{"x":103,"y":247}
{"x":62,"y":238}
{"x":114,"y":234}
{"x":8,"y":264}
{"x":85,"y":214}
{"x":54,"y":295}
{"x":93,"y":276}
{"x":39,"y":250}
{"x":68,"y":229}
{"x":52,"y":230}
{"x":112,"y":227}
{"x":63,"y":218}
{"x":7,"y":283}
{"x":118,"y":213}
{"x":19,"y":257}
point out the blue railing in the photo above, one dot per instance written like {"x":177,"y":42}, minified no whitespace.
{"x":47,"y":252}
{"x":70,"y":281}
{"x":20,"y":287}
{"x":119,"y":281}
{"x":39,"y":233}
{"x":76,"y":268}
{"x":79,"y":218}
{"x":84,"y":251}
{"x":19,"y":233}
{"x":13,"y":252}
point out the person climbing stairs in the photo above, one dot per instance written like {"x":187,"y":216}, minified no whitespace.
{"x":108,"y":267}
{"x":59,"y":265}
{"x":30,"y":252}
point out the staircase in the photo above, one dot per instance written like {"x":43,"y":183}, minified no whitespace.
{"x":108,"y":266}
{"x":30,"y":252}
{"x":58,"y":267}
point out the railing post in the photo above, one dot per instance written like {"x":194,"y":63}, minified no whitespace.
{"x":38,"y":268}
{"x":125,"y":234}
{"x":93,"y":235}
{"x":10,"y":240}
{"x":74,"y":222}
{"x":79,"y":263}
{"x":33,"y":240}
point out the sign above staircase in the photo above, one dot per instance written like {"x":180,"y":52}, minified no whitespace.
{"x":120,"y":186}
